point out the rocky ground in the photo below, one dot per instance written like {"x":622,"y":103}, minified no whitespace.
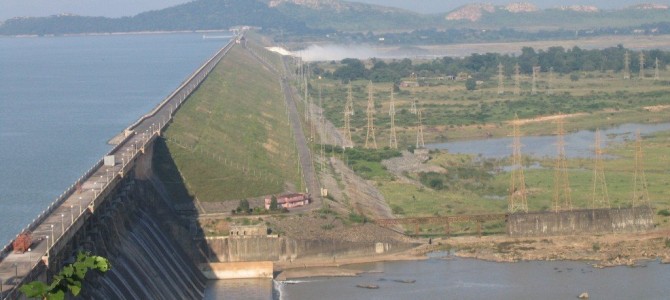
{"x":604,"y":250}
{"x":315,"y":225}
{"x":410,"y":163}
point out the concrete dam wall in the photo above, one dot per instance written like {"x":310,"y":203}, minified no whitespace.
{"x":147,"y":262}
{"x":586,"y":221}
{"x":275,"y":248}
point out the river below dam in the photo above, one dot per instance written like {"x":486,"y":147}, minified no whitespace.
{"x":446,"y":277}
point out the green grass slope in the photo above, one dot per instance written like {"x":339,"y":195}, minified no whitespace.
{"x":231,"y":139}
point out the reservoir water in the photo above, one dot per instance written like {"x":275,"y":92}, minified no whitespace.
{"x":63,"y":98}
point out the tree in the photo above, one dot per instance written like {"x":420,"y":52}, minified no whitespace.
{"x":243,"y":206}
{"x":470,"y":84}
{"x":70,"y":278}
{"x":273,"y":203}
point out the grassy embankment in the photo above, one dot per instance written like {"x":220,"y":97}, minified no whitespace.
{"x":231,"y":139}
{"x":474,"y":186}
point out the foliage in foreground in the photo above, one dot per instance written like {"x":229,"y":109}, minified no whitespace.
{"x":70,"y":278}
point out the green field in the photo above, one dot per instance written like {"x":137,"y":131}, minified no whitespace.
{"x":231,"y":139}
{"x":594,"y":100}
{"x":451,"y":112}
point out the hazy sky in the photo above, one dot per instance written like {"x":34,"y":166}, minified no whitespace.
{"x":116,"y":8}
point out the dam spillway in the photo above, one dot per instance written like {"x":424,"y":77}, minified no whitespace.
{"x":57,"y":231}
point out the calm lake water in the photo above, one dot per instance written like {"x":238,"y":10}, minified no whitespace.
{"x":577,"y":144}
{"x":63,"y":98}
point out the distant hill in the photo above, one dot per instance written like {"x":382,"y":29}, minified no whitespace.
{"x":524,"y":15}
{"x":353,"y":16}
{"x":319,"y":16}
{"x":196,"y":15}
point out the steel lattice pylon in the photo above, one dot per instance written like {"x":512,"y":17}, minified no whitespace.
{"x":419,"y":131}
{"x":600,"y":197}
{"x":561,"y":199}
{"x":501,"y":79}
{"x":550,"y":81}
{"x":626,"y":65}
{"x":348,"y":112}
{"x":536,"y":73}
{"x":641,"y":65}
{"x":517,"y":192}
{"x":640,"y":191}
{"x":393,"y":139}
{"x":517,"y":80}
{"x":370,"y":141}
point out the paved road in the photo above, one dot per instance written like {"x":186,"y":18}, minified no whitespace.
{"x":68,"y":213}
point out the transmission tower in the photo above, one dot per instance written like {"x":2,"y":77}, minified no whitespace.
{"x":536,"y":71}
{"x":501,"y":78}
{"x":370,"y":141}
{"x":517,"y":190}
{"x":561,"y":200}
{"x":600,"y":197}
{"x":656,"y":73}
{"x":626,"y":65}
{"x":393,"y":140}
{"x":306,"y":99}
{"x":419,"y":131}
{"x":415,"y":81}
{"x":641,"y":65}
{"x":517,"y":80}
{"x":348,"y":112}
{"x":322,"y":131}
{"x":640,"y":191}
{"x":550,"y":81}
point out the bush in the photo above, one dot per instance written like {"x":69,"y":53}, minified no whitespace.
{"x":596,"y":247}
{"x":398,"y":210}
{"x":327,"y":226}
{"x":574,"y":76}
{"x":356,"y":218}
{"x":664,"y":212}
{"x":470,"y":84}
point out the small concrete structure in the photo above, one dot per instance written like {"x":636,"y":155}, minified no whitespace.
{"x":238,"y":270}
{"x":109,"y":161}
{"x":248,"y":230}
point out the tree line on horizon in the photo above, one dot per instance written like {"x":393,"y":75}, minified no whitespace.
{"x":485,"y":66}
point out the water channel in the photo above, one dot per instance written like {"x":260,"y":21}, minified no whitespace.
{"x":577,"y":144}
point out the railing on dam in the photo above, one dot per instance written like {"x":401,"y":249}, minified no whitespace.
{"x":138,"y":136}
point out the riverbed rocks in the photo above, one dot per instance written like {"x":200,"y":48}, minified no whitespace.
{"x":606,"y":250}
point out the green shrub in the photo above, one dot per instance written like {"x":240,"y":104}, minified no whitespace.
{"x":356,"y":218}
{"x":664,"y":212}
{"x":596,"y":247}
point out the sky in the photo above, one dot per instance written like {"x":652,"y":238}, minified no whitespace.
{"x":117,"y":8}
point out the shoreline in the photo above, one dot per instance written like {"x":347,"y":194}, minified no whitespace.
{"x":601,"y":251}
